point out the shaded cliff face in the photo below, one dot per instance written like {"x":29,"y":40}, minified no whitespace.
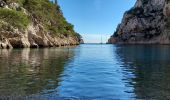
{"x":147,"y":22}
{"x":34,"y":23}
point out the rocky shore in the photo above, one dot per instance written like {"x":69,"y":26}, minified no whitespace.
{"x":34,"y":23}
{"x":148,"y":22}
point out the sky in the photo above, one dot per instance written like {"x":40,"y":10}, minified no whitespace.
{"x":94,"y":19}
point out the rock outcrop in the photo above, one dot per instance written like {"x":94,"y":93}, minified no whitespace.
{"x":38,"y":31}
{"x":148,"y":22}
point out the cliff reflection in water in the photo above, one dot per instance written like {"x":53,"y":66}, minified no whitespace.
{"x":29,"y":71}
{"x":147,"y":69}
{"x":87,"y":72}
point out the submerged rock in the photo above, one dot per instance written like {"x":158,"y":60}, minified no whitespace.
{"x":148,"y":22}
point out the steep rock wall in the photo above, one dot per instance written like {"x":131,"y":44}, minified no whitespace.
{"x":35,"y":32}
{"x":148,"y":22}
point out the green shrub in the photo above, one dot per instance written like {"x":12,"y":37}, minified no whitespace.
{"x":15,"y":18}
{"x":45,"y":12}
{"x":50,"y":15}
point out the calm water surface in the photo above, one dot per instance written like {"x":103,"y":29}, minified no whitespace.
{"x":86,"y":72}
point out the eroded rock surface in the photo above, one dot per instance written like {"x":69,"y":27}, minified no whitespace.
{"x":34,"y":35}
{"x":148,"y":22}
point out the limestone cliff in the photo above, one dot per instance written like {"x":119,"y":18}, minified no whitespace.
{"x":34,"y":23}
{"x":148,"y":22}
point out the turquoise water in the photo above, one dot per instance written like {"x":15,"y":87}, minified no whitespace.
{"x":86,"y":72}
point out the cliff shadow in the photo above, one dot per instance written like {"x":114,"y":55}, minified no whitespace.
{"x":146,"y":69}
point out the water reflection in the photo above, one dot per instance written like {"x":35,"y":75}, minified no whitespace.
{"x":24,"y":72}
{"x":87,"y":72}
{"x":146,"y":69}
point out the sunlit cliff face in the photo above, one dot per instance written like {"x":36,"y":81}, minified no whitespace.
{"x":145,"y":23}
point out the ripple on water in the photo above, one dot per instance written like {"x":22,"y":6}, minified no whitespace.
{"x":85,"y":72}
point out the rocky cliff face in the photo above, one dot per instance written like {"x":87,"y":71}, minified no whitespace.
{"x":34,"y":23}
{"x":148,"y":22}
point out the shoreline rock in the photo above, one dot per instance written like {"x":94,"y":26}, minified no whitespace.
{"x":148,"y":22}
{"x":35,"y":34}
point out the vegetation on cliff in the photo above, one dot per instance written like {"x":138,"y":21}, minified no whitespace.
{"x":12,"y":17}
{"x":35,"y":23}
{"x":44,"y":11}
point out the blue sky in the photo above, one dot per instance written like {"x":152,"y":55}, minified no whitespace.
{"x":95,"y":18}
